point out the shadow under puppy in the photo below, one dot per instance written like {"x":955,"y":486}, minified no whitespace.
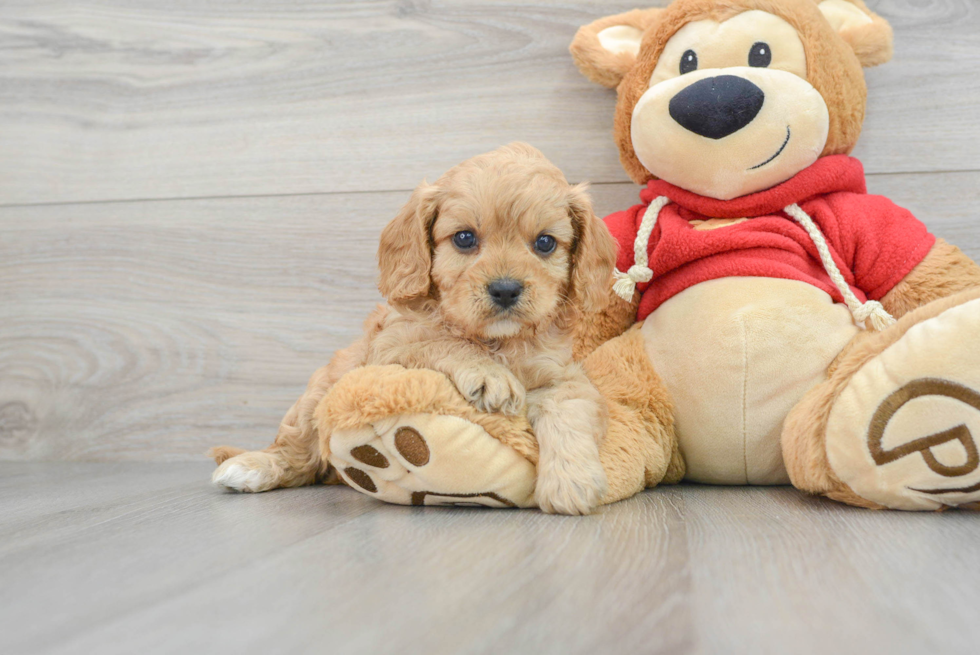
{"x":485,"y":272}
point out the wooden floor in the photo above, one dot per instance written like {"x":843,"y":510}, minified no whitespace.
{"x":191,"y":193}
{"x":148,"y":558}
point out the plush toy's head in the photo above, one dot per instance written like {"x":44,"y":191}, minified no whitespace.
{"x":728,"y":97}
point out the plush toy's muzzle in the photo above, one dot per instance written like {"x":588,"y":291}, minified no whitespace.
{"x":804,"y":56}
{"x":728,"y":132}
{"x":717,"y":106}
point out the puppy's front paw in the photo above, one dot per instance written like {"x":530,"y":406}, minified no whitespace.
{"x":491,"y":388}
{"x":566,"y":487}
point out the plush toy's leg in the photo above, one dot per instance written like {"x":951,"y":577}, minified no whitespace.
{"x":408,"y":437}
{"x":896,"y":423}
{"x":640,"y":448}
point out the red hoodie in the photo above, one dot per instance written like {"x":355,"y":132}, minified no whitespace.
{"x":874,"y":242}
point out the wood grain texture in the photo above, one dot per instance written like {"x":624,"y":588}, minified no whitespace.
{"x":138,"y":326}
{"x":141,"y":328}
{"x":129,"y":99}
{"x":154,"y":330}
{"x":149,"y":558}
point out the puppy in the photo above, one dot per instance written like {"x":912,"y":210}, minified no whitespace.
{"x":484,"y":272}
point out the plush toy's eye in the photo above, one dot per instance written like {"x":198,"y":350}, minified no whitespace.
{"x":464,"y":240}
{"x":689,"y":62}
{"x":545,"y":244}
{"x":760,"y":56}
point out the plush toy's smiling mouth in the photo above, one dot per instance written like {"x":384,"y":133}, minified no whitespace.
{"x":778,"y":152}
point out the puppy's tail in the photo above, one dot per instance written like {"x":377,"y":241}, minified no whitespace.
{"x":220,"y":453}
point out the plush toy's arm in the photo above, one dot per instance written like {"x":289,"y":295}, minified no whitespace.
{"x":944,"y":272}
{"x":592,"y":329}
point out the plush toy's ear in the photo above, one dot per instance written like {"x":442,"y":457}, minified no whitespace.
{"x":605,"y":50}
{"x":594,"y":256}
{"x":868,"y":34}
{"x":404,"y":253}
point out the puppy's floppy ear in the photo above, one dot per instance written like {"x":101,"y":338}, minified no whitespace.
{"x":605,"y":50}
{"x":868,"y":34}
{"x":594,"y":254}
{"x":405,"y":254}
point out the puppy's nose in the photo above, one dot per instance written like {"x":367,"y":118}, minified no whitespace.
{"x":505,"y":291}
{"x":717,"y":106}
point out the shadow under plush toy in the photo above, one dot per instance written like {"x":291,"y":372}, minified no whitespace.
{"x":779,"y":323}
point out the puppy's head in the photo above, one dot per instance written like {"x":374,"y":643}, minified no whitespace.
{"x":500,"y":245}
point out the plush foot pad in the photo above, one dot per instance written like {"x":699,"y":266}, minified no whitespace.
{"x":904,"y":432}
{"x":428,"y":459}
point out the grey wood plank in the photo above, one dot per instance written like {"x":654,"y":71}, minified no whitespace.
{"x":37,"y":499}
{"x":99,"y":557}
{"x":188,"y":568}
{"x":153,"y":330}
{"x":775,"y":571}
{"x":328,"y":567}
{"x":129,"y":99}
{"x":123,"y":316}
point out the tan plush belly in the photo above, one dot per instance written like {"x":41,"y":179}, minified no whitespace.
{"x":737,"y":354}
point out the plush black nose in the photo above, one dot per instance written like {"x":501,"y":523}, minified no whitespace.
{"x":505,"y":292}
{"x":717,"y":106}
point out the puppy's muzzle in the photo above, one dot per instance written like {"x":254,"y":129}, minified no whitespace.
{"x":505,"y":292}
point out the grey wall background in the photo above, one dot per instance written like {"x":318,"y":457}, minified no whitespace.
{"x":191,"y":191}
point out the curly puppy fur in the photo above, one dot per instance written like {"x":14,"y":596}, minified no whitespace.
{"x":442,"y":316}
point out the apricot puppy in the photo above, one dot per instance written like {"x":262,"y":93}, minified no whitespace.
{"x":484,"y":272}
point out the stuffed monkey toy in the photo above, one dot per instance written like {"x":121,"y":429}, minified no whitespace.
{"x":773,"y":322}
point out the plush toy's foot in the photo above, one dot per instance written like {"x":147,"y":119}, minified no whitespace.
{"x":900,"y":415}
{"x":422,"y":459}
{"x":407,"y":437}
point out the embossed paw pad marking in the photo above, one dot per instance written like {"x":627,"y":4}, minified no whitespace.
{"x":904,"y":430}
{"x":920,"y":447}
{"x":409,"y":444}
{"x":370,"y":455}
{"x":412,"y":446}
{"x":394,"y":462}
{"x":924,"y":446}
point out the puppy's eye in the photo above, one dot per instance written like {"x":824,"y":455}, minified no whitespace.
{"x":760,"y":56}
{"x":689,"y":62}
{"x":545,"y":244}
{"x":464,"y":240}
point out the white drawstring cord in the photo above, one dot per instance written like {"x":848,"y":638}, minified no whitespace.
{"x":871,"y":310}
{"x":640,"y":271}
{"x":625,"y":283}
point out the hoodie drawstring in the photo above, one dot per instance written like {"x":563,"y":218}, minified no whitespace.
{"x":625,"y":283}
